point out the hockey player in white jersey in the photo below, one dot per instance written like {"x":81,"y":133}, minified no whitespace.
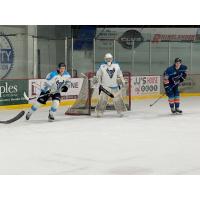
{"x":56,"y":82}
{"x":110,"y":77}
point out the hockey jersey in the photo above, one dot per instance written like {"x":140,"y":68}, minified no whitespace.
{"x":171,"y":74}
{"x":107,"y":75}
{"x":55,"y":81}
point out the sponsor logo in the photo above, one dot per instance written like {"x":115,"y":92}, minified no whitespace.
{"x":131,"y":38}
{"x":8,"y":90}
{"x":162,"y":37}
{"x":6,"y":56}
{"x":146,"y":85}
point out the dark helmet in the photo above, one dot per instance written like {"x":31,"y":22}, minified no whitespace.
{"x":178,"y":60}
{"x":61,"y":65}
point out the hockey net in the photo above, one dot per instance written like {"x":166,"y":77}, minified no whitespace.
{"x":88,"y":96}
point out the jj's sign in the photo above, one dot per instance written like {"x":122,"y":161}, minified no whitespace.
{"x":145,"y":85}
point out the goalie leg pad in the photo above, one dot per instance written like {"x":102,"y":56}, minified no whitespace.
{"x":119,"y":104}
{"x":102,"y":103}
{"x":118,"y":101}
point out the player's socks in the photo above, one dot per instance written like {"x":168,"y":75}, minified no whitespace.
{"x":33,"y":109}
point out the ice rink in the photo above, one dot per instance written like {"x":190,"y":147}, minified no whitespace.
{"x":145,"y":141}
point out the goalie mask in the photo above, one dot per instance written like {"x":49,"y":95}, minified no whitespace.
{"x":108,"y":58}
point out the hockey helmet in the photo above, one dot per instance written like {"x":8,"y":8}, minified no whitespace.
{"x":178,"y":60}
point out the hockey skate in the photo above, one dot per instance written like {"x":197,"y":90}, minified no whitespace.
{"x":178,"y":111}
{"x":99,"y":114}
{"x":173,"y":110}
{"x":28,"y":115}
{"x":51,"y":117}
{"x":120,"y":114}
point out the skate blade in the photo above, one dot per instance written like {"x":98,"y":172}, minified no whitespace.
{"x":51,"y":120}
{"x":179,"y":113}
{"x":176,"y":113}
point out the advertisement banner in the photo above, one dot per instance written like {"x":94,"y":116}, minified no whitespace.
{"x":191,"y":84}
{"x":11,"y":92}
{"x":145,"y":85}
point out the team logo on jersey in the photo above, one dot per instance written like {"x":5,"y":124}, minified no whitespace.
{"x":59,"y":84}
{"x":6,"y":56}
{"x":110,"y":72}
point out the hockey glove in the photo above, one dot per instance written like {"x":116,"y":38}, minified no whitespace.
{"x":95,"y":80}
{"x":183,"y":77}
{"x":121,"y":81}
{"x":64,"y":89}
{"x":176,"y":80}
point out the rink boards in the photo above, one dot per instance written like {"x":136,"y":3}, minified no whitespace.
{"x":142,"y":87}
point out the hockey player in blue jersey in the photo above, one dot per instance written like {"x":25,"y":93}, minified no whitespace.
{"x":173,"y":76}
{"x":56,"y":82}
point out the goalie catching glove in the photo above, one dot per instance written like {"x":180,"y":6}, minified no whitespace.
{"x":95,"y":80}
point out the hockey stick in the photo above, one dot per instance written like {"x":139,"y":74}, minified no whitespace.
{"x":35,"y":97}
{"x":160,"y":97}
{"x":17,"y":117}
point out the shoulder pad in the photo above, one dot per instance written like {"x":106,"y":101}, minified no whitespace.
{"x":51,"y":75}
{"x":184,"y":67}
{"x":66,"y":73}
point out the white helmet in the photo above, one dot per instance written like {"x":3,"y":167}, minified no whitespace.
{"x":108,"y":58}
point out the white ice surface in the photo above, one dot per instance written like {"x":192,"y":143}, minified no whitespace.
{"x":146,"y":141}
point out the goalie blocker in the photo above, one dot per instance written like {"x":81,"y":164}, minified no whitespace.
{"x":88,"y":96}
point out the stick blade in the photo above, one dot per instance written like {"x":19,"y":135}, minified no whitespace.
{"x":17,"y":117}
{"x":25,"y":96}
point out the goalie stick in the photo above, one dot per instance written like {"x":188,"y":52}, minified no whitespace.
{"x":17,"y":117}
{"x":101,"y":88}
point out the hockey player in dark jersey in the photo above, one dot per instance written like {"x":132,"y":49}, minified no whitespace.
{"x":173,"y":76}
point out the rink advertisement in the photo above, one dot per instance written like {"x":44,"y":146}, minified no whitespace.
{"x":191,"y":84}
{"x":6,"y":55}
{"x":145,"y":85}
{"x":11,"y":92}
